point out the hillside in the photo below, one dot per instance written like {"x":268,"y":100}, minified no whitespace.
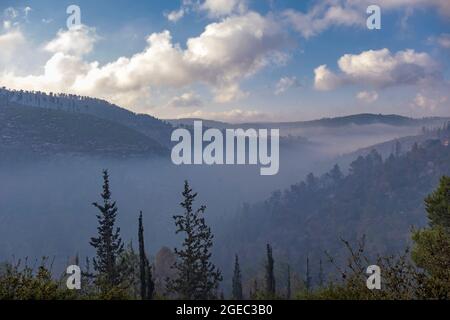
{"x":154,"y":128}
{"x":381,"y":199}
{"x":36,"y":132}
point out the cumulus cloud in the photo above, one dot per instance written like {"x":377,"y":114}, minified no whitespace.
{"x":367,"y":96}
{"x":77,"y":41}
{"x":325,"y":14}
{"x":285,"y":84}
{"x":379,"y":68}
{"x":175,"y":15}
{"x":224,"y":54}
{"x":324,"y":79}
{"x":186,"y":100}
{"x":220,"y":8}
{"x":10,"y":44}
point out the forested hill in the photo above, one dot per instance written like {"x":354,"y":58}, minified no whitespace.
{"x":381,"y":199}
{"x":29,"y":133}
{"x":145,"y":124}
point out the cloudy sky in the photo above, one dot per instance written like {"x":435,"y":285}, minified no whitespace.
{"x":234,"y":60}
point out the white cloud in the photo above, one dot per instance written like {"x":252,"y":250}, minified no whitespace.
{"x":429,"y":102}
{"x":325,"y":14}
{"x":186,"y":100}
{"x":367,"y":96}
{"x":78,"y":41}
{"x":175,"y":15}
{"x":220,"y":8}
{"x":285,"y":84}
{"x":379,"y":68}
{"x":6,"y":24}
{"x":10,"y":44}
{"x":324,"y":79}
{"x":224,"y":54}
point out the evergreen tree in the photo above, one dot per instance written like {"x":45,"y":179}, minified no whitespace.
{"x":308,"y":276}
{"x":321,"y":278}
{"x":147,"y":284}
{"x":237,"y":281}
{"x":197,"y":277}
{"x":142,"y":260}
{"x":108,"y":244}
{"x":288,"y":285}
{"x":336,"y":173}
{"x":438,"y":205}
{"x":431,"y":251}
{"x":270,"y":275}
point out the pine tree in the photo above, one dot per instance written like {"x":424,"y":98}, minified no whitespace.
{"x":270,"y":276}
{"x":431,"y":245}
{"x":438,"y":205}
{"x":108,"y":244}
{"x":237,"y":281}
{"x":197,"y":277}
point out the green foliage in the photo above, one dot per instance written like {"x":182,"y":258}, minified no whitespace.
{"x":379,"y":198}
{"x":108,"y":243}
{"x":197,"y":277}
{"x":432,"y":245}
{"x":438,"y":205}
{"x":18,"y":283}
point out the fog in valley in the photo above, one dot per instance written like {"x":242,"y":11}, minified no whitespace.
{"x":46,"y":205}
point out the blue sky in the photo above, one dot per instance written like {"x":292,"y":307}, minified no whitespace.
{"x":234,"y":60}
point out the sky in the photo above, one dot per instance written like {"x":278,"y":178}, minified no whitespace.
{"x":234,"y":60}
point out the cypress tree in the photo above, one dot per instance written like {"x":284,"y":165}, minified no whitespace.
{"x":108,"y":244}
{"x":308,"y":276}
{"x":321,"y":278}
{"x":270,"y":276}
{"x":237,"y":280}
{"x":150,"y":283}
{"x":145,"y":270}
{"x":197,"y":277}
{"x":142,"y":260}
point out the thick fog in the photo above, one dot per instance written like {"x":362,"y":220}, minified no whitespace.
{"x":46,"y":206}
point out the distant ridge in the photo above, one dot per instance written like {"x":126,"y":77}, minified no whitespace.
{"x":357,"y":119}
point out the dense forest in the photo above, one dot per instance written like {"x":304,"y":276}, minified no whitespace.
{"x":380,"y":199}
{"x":344,"y":222}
